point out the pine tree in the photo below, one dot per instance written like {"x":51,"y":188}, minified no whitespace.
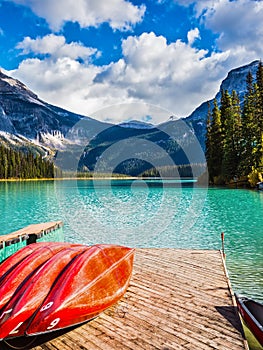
{"x":215,"y":151}
{"x":16,"y":164}
{"x":259,"y":79}
{"x":249,"y":127}
{"x":5,"y":165}
{"x":233,"y":136}
{"x":208,"y":140}
{"x":234,"y":141}
{"x":225,"y":109}
{"x":259,"y":118}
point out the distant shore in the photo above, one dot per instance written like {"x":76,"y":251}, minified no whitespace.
{"x":97,"y":178}
{"x":69,"y":178}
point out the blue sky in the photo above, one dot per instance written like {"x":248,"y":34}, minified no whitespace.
{"x":89,"y":56}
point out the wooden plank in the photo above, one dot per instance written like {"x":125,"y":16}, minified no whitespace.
{"x":177,"y":299}
{"x":32,"y":229}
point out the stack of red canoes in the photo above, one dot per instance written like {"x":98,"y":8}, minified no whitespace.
{"x":45,"y":287}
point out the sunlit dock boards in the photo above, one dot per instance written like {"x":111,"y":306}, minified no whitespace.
{"x":47,"y":231}
{"x":177,"y":299}
{"x":35,"y":229}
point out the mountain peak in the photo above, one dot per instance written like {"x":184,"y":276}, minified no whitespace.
{"x":9,"y":85}
{"x":235,"y":80}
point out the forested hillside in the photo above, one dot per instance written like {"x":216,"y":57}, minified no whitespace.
{"x":19,"y":165}
{"x":234,"y":139}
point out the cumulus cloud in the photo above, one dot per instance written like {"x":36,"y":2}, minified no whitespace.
{"x":168,"y":75}
{"x":56,"y":46}
{"x":192,"y":35}
{"x":120,"y":14}
{"x":238,"y":23}
{"x":174,"y":76}
{"x":63,"y":82}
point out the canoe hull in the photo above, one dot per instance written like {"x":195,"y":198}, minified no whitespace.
{"x":98,"y":279}
{"x":252,"y":314}
{"x":62,"y":287}
{"x":29,"y":297}
{"x":14,"y":278}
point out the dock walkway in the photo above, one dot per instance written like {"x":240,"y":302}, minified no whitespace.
{"x":35,"y":229}
{"x":177,"y":299}
{"x":46,"y":231}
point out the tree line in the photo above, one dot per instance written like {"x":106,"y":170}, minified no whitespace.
{"x":19,"y":165}
{"x":180,"y":171}
{"x":234,"y":138}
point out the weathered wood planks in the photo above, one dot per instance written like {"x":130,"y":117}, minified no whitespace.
{"x":34,"y":229}
{"x":48,"y":231}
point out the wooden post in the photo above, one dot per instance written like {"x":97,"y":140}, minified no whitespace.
{"x":223,"y":245}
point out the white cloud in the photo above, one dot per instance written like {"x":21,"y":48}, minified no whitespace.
{"x":192,"y":35}
{"x":121,"y":112}
{"x":56,"y":46}
{"x":239,"y":24}
{"x":175,"y":77}
{"x":120,"y":14}
{"x":63,"y":82}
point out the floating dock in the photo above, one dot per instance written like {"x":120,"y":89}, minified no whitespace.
{"x":177,"y":299}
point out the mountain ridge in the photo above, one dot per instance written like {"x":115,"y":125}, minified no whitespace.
{"x":231,"y":82}
{"x":235,"y":80}
{"x":26,"y":120}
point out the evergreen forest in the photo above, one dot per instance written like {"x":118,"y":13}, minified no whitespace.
{"x":19,"y":165}
{"x":234,"y":138}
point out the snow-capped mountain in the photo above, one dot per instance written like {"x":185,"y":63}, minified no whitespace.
{"x":27,"y":121}
{"x":23,"y":114}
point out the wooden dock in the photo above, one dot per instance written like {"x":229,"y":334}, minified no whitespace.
{"x":177,"y":299}
{"x":47,"y":231}
{"x":37,"y":230}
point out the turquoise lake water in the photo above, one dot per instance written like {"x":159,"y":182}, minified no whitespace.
{"x":148,"y":214}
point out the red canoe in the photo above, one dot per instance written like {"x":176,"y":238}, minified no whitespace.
{"x":16,"y":276}
{"x":252,"y":314}
{"x":71,"y":286}
{"x":10,"y":263}
{"x":29,"y":297}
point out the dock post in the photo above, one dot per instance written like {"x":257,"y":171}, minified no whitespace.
{"x":223,"y":244}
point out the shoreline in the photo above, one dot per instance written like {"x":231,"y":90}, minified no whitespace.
{"x":68,"y":178}
{"x":97,"y":178}
{"x":112,"y":178}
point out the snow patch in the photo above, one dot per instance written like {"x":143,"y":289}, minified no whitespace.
{"x":35,"y":101}
{"x":11,"y":82}
{"x":13,"y":139}
{"x":136,"y":124}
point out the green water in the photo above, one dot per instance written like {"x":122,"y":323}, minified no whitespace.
{"x":148,"y":214}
